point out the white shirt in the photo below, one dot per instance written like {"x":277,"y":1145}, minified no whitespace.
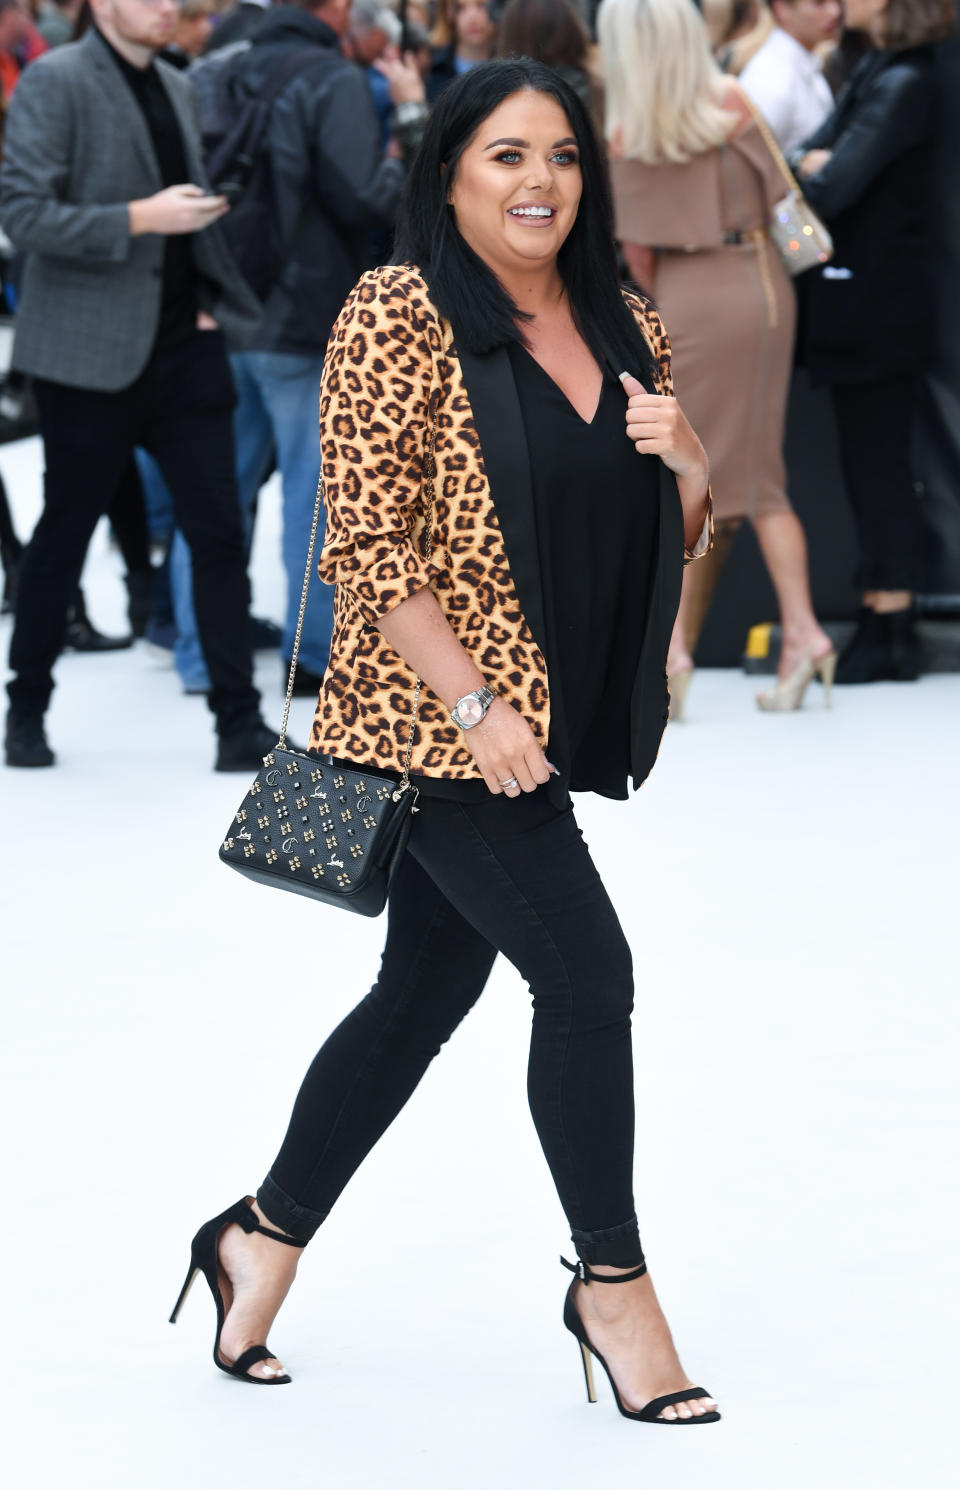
{"x":787,"y":85}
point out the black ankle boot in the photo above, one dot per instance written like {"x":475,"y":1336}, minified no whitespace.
{"x":82,"y":636}
{"x":884,"y":649}
{"x":139,"y":585}
{"x":26,"y":742}
{"x":900,"y":635}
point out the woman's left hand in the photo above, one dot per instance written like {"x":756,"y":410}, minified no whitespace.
{"x":658,"y":426}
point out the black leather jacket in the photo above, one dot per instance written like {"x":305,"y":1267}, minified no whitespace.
{"x":331,"y":181}
{"x":870,"y":311}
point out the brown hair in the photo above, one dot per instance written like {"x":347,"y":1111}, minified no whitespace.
{"x":549,"y":31}
{"x":917,"y":23}
{"x":442,"y":31}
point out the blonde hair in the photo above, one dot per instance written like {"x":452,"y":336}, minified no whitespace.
{"x":663,"y":86}
{"x":746,"y":47}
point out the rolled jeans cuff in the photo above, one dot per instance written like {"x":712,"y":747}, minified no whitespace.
{"x":296,"y":1220}
{"x":616,"y":1247}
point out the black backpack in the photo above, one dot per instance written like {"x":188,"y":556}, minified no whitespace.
{"x":234,"y":124}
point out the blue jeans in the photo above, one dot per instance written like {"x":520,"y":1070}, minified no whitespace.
{"x":278,"y":395}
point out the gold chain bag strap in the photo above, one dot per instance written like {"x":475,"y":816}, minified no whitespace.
{"x":334,"y":832}
{"x":802,"y":238}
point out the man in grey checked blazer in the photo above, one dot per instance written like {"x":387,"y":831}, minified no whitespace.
{"x":127,"y":290}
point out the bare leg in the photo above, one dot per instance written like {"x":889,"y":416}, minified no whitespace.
{"x":700,"y":580}
{"x":255,"y":1277}
{"x":885,"y":602}
{"x":784,"y":548}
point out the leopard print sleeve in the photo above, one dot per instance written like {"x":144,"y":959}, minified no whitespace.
{"x":375,"y":401}
{"x":654,"y":334}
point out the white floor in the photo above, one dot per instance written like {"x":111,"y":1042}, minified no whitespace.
{"x":794,"y":926}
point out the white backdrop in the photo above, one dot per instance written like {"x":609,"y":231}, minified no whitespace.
{"x":794,"y":929}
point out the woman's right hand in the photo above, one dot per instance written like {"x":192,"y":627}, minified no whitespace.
{"x":506,"y":749}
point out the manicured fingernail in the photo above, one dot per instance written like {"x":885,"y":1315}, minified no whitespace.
{"x":624,"y":375}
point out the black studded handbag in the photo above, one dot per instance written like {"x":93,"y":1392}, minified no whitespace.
{"x":321,"y":828}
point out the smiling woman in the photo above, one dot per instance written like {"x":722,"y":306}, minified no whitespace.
{"x":472,"y":168}
{"x":506,"y":529}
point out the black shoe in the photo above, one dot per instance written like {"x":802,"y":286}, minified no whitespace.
{"x":140,"y":603}
{"x":651,"y":1412}
{"x":306,"y":684}
{"x":204,"y":1259}
{"x":243,"y":749}
{"x":10,"y":563}
{"x":82,"y":636}
{"x":264,"y":635}
{"x":884,"y":649}
{"x":900,"y":634}
{"x":26,"y":742}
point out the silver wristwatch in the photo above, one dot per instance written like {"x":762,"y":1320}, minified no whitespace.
{"x":470,"y":709}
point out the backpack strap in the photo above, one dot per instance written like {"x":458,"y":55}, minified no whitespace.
{"x":284,"y":72}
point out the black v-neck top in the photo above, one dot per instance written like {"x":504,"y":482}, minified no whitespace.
{"x":596,"y":507}
{"x":597,"y":513}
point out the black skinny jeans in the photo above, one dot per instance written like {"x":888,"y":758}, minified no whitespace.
{"x":180,"y":408}
{"x":507,"y":875}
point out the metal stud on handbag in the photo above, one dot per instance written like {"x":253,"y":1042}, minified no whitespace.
{"x":802,"y":239}
{"x":334,"y":832}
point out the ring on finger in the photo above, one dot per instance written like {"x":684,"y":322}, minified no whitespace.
{"x":511,"y":783}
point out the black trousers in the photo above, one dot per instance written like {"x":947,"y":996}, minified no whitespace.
{"x":874,"y":425}
{"x":180,"y":409}
{"x":513,"y":876}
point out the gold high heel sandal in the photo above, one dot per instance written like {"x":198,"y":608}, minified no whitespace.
{"x":788,"y":694}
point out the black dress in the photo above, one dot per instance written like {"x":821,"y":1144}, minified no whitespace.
{"x":597,"y":511}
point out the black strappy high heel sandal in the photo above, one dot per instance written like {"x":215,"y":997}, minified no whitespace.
{"x":203,"y":1259}
{"x":571,"y":1318}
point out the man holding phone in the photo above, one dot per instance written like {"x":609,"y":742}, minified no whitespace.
{"x":126,"y":286}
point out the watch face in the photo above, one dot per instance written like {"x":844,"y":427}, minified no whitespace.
{"x":470,"y":710}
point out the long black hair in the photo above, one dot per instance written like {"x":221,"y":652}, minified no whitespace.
{"x":463,"y":288}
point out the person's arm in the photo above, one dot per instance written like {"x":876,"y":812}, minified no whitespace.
{"x":894,"y":116}
{"x":658,"y":426}
{"x":357,"y":185}
{"x":375,"y":519}
{"x":38,"y":146}
{"x":642,"y":264}
{"x":408,"y":96}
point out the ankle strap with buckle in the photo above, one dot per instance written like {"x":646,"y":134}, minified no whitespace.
{"x":587,"y":1275}
{"x":246,"y":1218}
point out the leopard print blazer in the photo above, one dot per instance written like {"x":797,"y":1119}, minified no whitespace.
{"x":390,"y":379}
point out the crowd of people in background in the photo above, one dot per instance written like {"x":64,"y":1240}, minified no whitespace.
{"x":202,"y":295}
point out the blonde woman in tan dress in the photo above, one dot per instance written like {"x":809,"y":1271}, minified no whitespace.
{"x":693,"y":185}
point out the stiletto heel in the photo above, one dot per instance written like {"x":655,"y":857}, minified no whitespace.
{"x":827,"y":668}
{"x":588,"y":1372}
{"x":788,"y":693}
{"x":204,"y":1259}
{"x":191,"y":1274}
{"x":571,"y":1318}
